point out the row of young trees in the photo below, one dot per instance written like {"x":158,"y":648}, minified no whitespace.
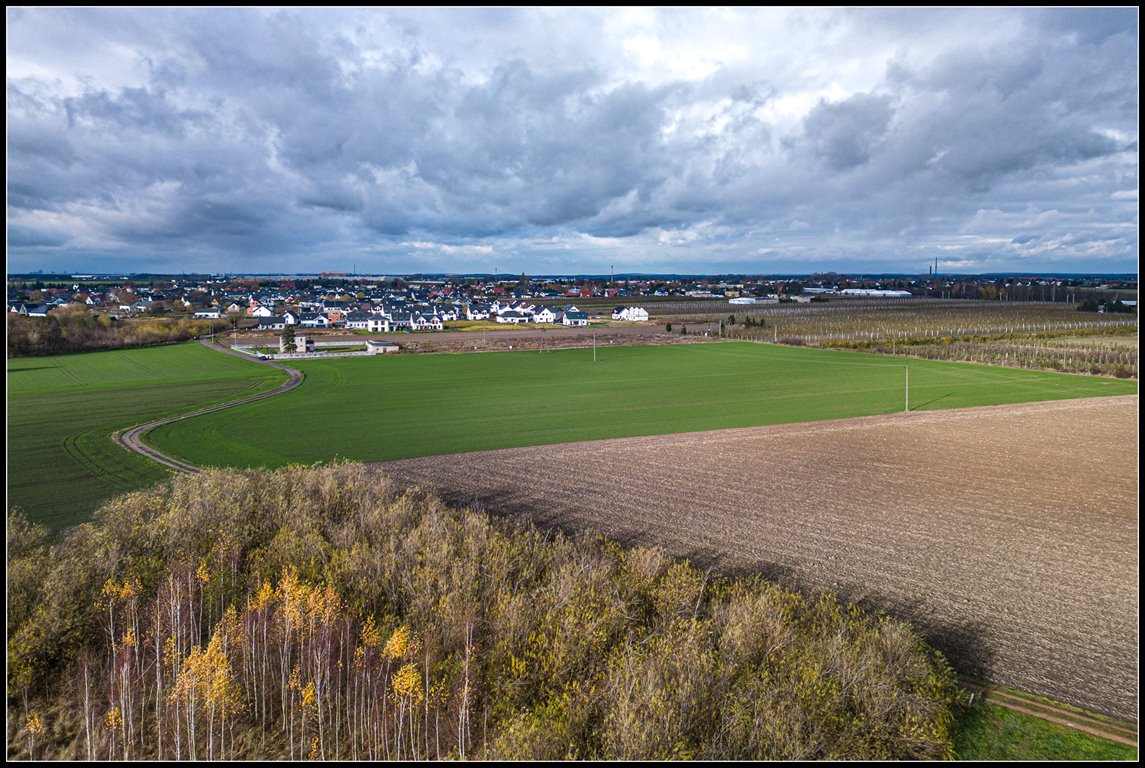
{"x":317,"y":613}
{"x":75,"y":328}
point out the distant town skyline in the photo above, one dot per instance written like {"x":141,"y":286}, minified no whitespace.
{"x":573,"y":141}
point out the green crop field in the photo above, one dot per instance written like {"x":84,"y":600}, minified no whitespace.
{"x":62,"y":410}
{"x":373,"y":409}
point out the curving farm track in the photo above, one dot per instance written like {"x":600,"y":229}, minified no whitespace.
{"x":132,"y":439}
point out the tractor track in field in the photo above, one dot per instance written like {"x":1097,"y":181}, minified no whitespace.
{"x":132,"y":438}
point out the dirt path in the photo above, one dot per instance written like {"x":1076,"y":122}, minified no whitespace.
{"x":132,"y":439}
{"x":1007,"y":534}
{"x":1069,"y":718}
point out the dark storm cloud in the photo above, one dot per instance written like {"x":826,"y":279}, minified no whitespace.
{"x":22,"y":237}
{"x":674,"y":138}
{"x":845,"y":134}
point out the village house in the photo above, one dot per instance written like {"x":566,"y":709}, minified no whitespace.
{"x":314,"y":321}
{"x":358,"y":321}
{"x":475,"y":311}
{"x":545,"y":315}
{"x":512,"y":317}
{"x":574,"y":317}
{"x":420,"y":322}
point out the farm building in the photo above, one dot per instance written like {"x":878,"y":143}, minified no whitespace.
{"x":630,"y":314}
{"x":375,"y":347}
{"x":875,"y":292}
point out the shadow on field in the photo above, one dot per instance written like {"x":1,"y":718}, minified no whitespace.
{"x":932,"y":401}
{"x":963,"y":647}
{"x":961,"y":642}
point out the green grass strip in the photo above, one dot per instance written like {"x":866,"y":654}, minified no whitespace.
{"x":374,"y":409}
{"x":992,"y":732}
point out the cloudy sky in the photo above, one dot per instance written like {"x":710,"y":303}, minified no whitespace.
{"x":570,"y":141}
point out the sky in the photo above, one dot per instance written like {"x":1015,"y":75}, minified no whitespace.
{"x":562,"y":141}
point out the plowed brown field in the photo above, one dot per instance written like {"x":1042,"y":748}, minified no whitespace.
{"x":1008,"y":534}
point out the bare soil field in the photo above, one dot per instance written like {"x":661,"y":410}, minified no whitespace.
{"x":1008,"y":534}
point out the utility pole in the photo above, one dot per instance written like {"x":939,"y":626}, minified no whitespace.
{"x":594,"y":346}
{"x":907,"y":408}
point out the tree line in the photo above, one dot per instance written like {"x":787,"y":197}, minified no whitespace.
{"x":320,"y":613}
{"x":75,"y":328}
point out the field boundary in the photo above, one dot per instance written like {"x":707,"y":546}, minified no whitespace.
{"x":132,"y":439}
{"x":1122,"y":734}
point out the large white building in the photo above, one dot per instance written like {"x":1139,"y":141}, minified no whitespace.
{"x":630,"y":314}
{"x":877,"y":292}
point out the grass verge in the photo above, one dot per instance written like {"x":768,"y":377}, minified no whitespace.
{"x":988,"y":731}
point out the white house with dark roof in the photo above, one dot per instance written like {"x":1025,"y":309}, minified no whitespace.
{"x":314,"y":321}
{"x":513,"y":317}
{"x":575,"y":317}
{"x":545,"y":315}
{"x":423,"y":322}
{"x":474,"y":311}
{"x":358,"y":321}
